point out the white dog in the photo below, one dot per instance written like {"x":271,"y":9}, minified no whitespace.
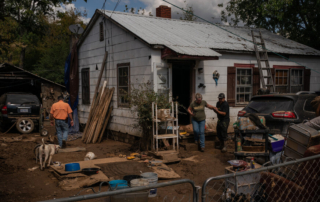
{"x":46,"y":151}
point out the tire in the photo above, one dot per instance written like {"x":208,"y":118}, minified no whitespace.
{"x":25,"y":125}
{"x":44,"y":132}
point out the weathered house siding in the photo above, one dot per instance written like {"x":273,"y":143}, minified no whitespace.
{"x":210,"y":93}
{"x":122,"y":47}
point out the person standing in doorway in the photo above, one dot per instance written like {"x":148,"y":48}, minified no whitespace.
{"x":196,"y":110}
{"x":60,"y":112}
{"x":222,"y":110}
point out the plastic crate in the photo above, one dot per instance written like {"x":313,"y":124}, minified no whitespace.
{"x":277,"y":146}
{"x":245,"y":184}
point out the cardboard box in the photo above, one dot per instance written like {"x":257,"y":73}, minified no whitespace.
{"x":246,"y":124}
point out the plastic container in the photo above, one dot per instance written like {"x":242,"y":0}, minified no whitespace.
{"x":118,"y":184}
{"x":72,"y":167}
{"x":139,"y":182}
{"x":277,"y":145}
{"x":153,"y":179}
{"x":128,"y":178}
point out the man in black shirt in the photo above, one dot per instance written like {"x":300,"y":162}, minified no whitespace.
{"x":222,"y":110}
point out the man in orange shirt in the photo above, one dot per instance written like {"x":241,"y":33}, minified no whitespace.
{"x":60,"y":112}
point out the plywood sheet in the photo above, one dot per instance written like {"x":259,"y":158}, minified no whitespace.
{"x":165,"y":174}
{"x":74,"y":149}
{"x":88,"y":164}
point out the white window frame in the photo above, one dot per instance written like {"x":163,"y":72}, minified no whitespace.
{"x":245,"y":86}
{"x":292,"y":77}
{"x":288,"y":79}
{"x":119,"y":94}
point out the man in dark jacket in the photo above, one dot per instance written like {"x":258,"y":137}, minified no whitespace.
{"x":222,"y":110}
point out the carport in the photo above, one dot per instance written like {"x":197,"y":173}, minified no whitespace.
{"x":15,"y":79}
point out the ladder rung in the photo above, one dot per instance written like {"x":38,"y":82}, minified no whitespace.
{"x":266,"y":68}
{"x":269,"y":84}
{"x":263,"y":60}
{"x":256,"y":36}
{"x":260,"y":44}
{"x":267,"y":77}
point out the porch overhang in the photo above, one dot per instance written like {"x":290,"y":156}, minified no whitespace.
{"x":189,"y":53}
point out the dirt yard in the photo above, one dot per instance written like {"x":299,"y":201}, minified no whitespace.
{"x":19,"y":184}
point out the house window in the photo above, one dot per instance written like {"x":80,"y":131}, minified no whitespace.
{"x":101,"y":31}
{"x":290,"y":79}
{"x":296,"y":80}
{"x":282,"y":79}
{"x":243,"y":85}
{"x":85,"y":82}
{"x":123,"y":71}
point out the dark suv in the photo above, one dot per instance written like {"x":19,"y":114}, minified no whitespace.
{"x":22,"y":108}
{"x":282,"y":110}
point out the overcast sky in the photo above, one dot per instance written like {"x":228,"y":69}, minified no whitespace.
{"x":203,"y":8}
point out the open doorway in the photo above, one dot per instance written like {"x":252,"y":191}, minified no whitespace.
{"x":182,"y":87}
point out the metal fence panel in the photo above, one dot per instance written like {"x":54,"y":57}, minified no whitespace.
{"x":293,"y":181}
{"x":192,"y":197}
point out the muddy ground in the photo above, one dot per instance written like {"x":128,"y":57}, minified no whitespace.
{"x":19,"y":184}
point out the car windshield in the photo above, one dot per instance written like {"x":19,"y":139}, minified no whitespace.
{"x":267,"y":105}
{"x":22,"y":99}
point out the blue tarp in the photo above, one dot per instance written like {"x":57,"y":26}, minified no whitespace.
{"x":75,"y":127}
{"x":67,"y":72}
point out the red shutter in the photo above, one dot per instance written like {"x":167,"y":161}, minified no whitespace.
{"x":231,"y":85}
{"x":306,"y":84}
{"x":256,"y":81}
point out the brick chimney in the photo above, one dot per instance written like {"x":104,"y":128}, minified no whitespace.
{"x":163,"y":11}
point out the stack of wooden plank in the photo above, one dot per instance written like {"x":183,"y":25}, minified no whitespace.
{"x":100,"y":113}
{"x":99,"y":116}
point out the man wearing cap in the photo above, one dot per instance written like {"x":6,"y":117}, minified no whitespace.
{"x":222,"y":110}
{"x":60,"y":112}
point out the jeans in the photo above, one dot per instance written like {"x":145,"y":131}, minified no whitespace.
{"x":62,"y":129}
{"x":198,"y":130}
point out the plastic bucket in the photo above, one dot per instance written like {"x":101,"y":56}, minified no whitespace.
{"x":131,"y":177}
{"x":139,"y":182}
{"x":118,"y":184}
{"x":153,"y":179}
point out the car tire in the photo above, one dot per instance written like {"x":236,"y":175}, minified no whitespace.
{"x":25,"y":125}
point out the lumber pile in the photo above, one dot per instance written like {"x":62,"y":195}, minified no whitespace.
{"x":100,"y":113}
{"x":99,"y":116}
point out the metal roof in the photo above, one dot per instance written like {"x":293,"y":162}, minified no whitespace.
{"x":201,"y":39}
{"x":10,"y":66}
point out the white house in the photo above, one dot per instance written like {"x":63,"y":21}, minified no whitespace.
{"x":143,"y":48}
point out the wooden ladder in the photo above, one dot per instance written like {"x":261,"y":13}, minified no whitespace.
{"x":262,"y":56}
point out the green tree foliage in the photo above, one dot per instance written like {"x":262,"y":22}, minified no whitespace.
{"x":45,"y":54}
{"x":132,"y":10}
{"x":141,"y":99}
{"x":188,"y":13}
{"x":55,"y":46}
{"x":29,"y":16}
{"x":298,"y":20}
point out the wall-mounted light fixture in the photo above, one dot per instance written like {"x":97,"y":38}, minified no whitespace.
{"x":200,"y":70}
{"x":201,"y":85}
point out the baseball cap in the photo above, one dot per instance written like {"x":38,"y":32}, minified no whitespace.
{"x":221,"y":95}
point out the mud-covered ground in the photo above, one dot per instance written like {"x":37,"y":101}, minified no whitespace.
{"x":19,"y":184}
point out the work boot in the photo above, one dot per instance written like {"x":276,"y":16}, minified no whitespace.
{"x":64,"y":144}
{"x":196,"y":142}
{"x":220,"y":146}
{"x":202,"y":149}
